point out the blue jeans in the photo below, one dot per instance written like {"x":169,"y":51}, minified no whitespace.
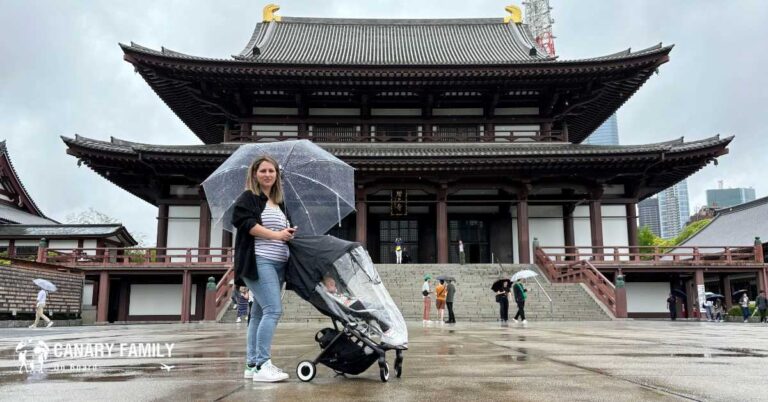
{"x":267,"y":308}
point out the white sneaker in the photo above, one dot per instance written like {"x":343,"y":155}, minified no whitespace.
{"x":33,"y":326}
{"x":50,"y":324}
{"x":238,"y":319}
{"x":514,"y":320}
{"x":269,"y":373}
{"x":525,"y":322}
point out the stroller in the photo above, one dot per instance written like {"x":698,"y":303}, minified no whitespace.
{"x":339,"y":279}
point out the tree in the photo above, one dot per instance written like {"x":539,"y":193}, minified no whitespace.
{"x":89,"y":217}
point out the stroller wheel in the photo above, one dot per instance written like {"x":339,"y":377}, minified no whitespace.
{"x":384,"y":371}
{"x":306,"y":370}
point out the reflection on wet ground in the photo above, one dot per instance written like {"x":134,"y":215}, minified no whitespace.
{"x":625,"y":360}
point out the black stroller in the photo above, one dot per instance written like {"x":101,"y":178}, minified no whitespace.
{"x":339,"y":279}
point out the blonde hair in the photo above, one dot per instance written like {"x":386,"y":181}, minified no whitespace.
{"x":252,"y":184}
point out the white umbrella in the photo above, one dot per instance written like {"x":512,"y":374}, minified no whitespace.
{"x":524,"y":274}
{"x":45,"y":284}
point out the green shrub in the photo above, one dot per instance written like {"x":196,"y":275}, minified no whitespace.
{"x":736,"y":310}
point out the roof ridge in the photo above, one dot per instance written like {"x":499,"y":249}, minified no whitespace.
{"x":392,"y":21}
{"x":740,"y":207}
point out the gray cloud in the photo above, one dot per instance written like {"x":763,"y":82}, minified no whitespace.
{"x":62,"y":73}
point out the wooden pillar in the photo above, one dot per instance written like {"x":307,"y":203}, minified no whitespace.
{"x":568,"y":231}
{"x":596,"y":222}
{"x":186,"y":295}
{"x":226,"y":242}
{"x":102,"y":308}
{"x":725,"y":282}
{"x":246,"y":132}
{"x":523,"y":244}
{"x":442,"y":224}
{"x":361,"y":217}
{"x":632,"y":230}
{"x":761,"y":280}
{"x":204,"y":233}
{"x":698,"y":279}
{"x":162,"y":229}
{"x":124,"y":300}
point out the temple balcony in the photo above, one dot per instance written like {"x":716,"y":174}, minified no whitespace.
{"x":446,"y":134}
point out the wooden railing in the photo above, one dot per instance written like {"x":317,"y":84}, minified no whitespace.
{"x":580,"y":272}
{"x":343,"y":135}
{"x":117,"y":257}
{"x":650,"y":255}
{"x":223,"y":292}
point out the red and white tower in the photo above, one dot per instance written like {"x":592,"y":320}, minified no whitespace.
{"x":540,"y":21}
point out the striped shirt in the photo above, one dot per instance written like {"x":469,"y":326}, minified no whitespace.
{"x":272,"y":218}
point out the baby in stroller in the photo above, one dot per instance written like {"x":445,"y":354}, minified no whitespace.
{"x":374,"y":316}
{"x":339,"y":279}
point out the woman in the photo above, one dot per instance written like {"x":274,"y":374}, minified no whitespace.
{"x":242,"y":303}
{"x":425,"y":291}
{"x":502,"y":297}
{"x":261,"y":256}
{"x":441,"y":292}
{"x":744,"y":303}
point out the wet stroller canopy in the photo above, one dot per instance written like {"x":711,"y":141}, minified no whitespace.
{"x":340,"y":280}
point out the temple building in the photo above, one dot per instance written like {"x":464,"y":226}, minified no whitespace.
{"x":459,"y":129}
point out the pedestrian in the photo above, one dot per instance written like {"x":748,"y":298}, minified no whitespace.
{"x":719,"y":310}
{"x":261,"y":255}
{"x":449,"y":301}
{"x":744,"y":303}
{"x":521,"y":293}
{"x":462,"y":257}
{"x":398,"y":251}
{"x":708,"y":310}
{"x":672,"y":307}
{"x":425,"y":291}
{"x":42,"y":296}
{"x":502,"y":297}
{"x":441,"y":292}
{"x":242,"y":303}
{"x":762,"y":305}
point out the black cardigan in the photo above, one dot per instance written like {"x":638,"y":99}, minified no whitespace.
{"x":246,"y":215}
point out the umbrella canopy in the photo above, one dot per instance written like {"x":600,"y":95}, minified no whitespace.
{"x":45,"y":284}
{"x":678,"y":292}
{"x":446,"y":278}
{"x":500,"y":285}
{"x":739,"y":292}
{"x":319,"y":187}
{"x":713,"y":296}
{"x":524,"y":274}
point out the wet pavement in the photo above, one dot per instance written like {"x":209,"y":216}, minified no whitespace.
{"x":617,"y":361}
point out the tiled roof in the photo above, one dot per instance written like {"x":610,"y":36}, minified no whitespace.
{"x":409,"y":150}
{"x":735,"y":226}
{"x":9,"y":214}
{"x":59,"y":231}
{"x":391,"y":42}
{"x":15,"y":179}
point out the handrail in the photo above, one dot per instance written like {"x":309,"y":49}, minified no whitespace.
{"x":446,"y":133}
{"x":681,"y":255}
{"x":551,"y":305}
{"x":136,"y":256}
{"x":223,"y":292}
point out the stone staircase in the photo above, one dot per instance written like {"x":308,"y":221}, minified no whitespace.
{"x":474,"y":299}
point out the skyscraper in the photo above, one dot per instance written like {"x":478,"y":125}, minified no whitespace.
{"x":648,"y":211}
{"x":606,"y":134}
{"x":673,"y":209}
{"x":728,"y":197}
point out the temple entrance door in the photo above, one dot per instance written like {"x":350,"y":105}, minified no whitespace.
{"x":408,"y":231}
{"x":474,"y":234}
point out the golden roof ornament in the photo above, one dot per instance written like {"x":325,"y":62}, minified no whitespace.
{"x":515,"y":14}
{"x":269,"y":13}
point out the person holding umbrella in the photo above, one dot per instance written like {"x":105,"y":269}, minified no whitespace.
{"x":449,"y":300}
{"x":521,"y":293}
{"x":42,"y":296}
{"x":261,"y":256}
{"x":744,"y":303}
{"x":441,"y":293}
{"x":501,"y":288}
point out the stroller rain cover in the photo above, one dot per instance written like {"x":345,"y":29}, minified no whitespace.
{"x":339,"y":279}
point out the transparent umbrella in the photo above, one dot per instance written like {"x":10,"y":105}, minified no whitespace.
{"x":319,"y":187}
{"x":45,"y":284}
{"x":523,"y":274}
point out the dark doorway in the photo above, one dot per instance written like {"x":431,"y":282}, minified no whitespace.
{"x":408,"y":231}
{"x":474,"y":234}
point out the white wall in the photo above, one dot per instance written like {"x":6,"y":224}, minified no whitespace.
{"x":62,"y":244}
{"x":158,"y":299}
{"x":88,"y":294}
{"x":647,"y":297}
{"x":582,"y":233}
{"x":90,"y":244}
{"x":183,"y":227}
{"x":545,"y":223}
{"x":615,"y":232}
{"x":216,"y":234}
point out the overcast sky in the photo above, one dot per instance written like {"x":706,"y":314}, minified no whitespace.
{"x":61,"y":73}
